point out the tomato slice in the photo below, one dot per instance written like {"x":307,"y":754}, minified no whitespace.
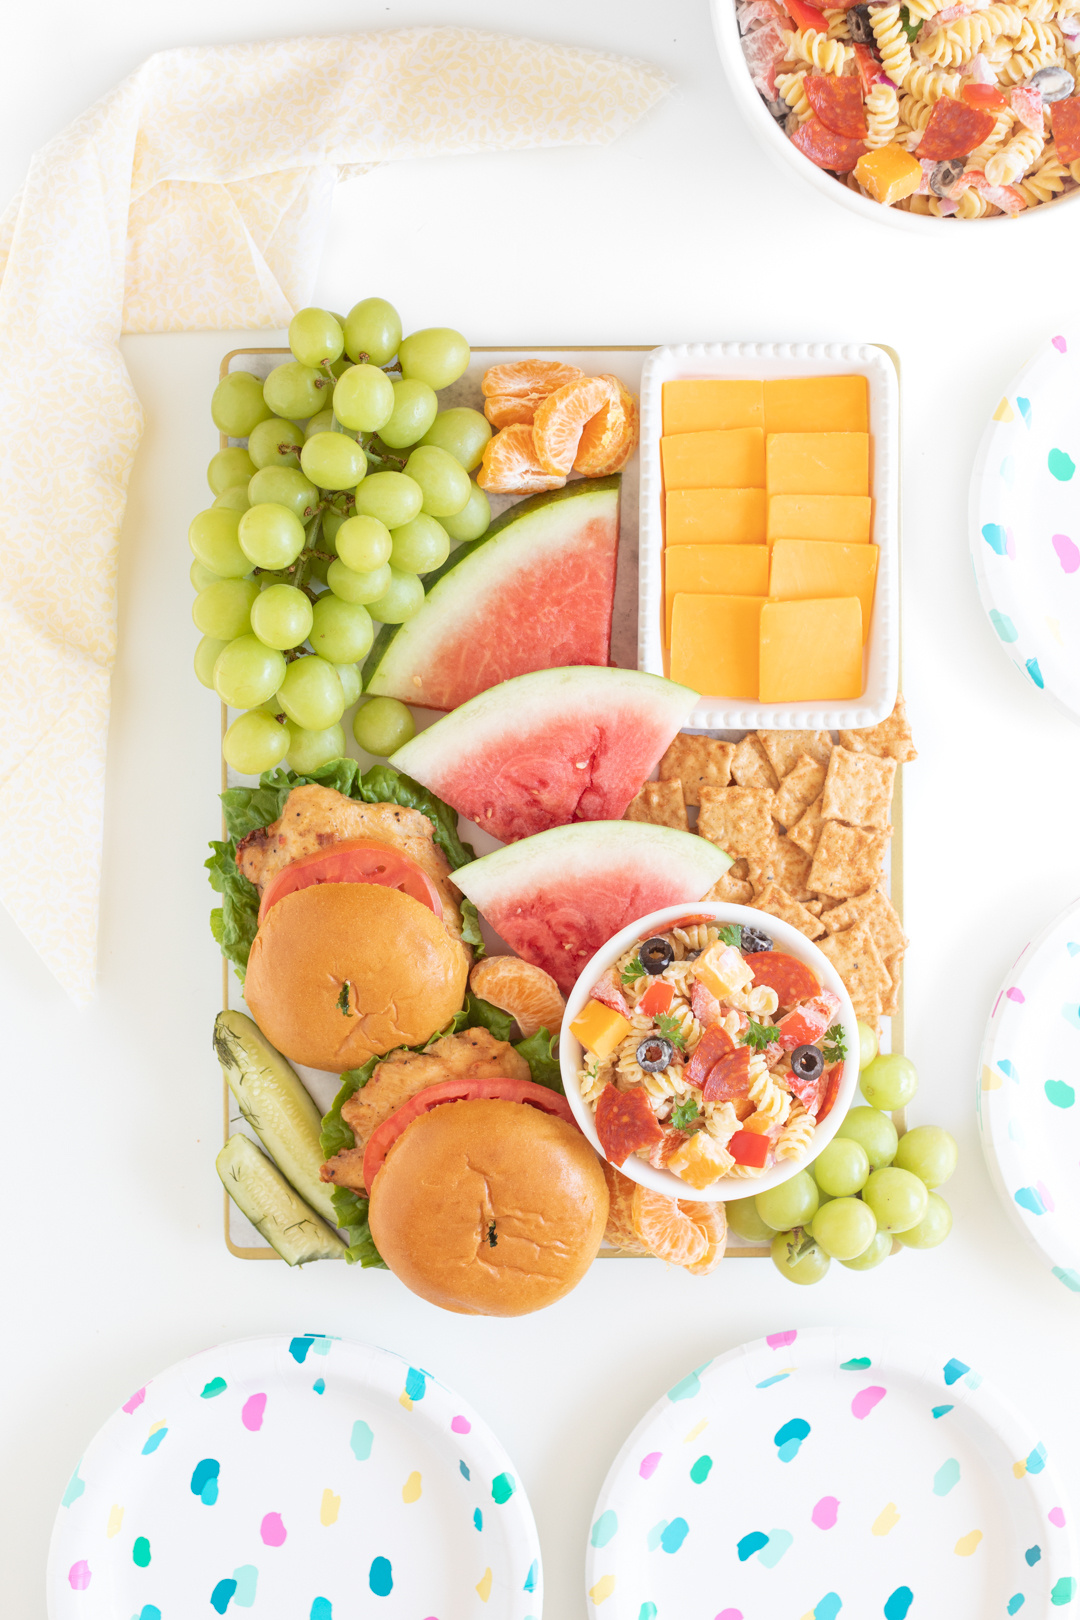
{"x":983,"y":95}
{"x":354,"y":860}
{"x":657,"y":998}
{"x":385,"y":1135}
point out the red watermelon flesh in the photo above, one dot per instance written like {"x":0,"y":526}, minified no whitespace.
{"x":558,"y":897}
{"x":556,"y":746}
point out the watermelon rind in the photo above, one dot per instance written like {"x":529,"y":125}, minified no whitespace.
{"x":476,"y":569}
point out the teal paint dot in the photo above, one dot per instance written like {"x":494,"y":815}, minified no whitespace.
{"x":140,"y":1553}
{"x":856,"y":1364}
{"x":674,"y":1535}
{"x":1032,"y":667}
{"x":940,"y":1411}
{"x":1059,"y":1093}
{"x":1032,"y":1555}
{"x":652,"y":1540}
{"x":361,"y":1440}
{"x":299,"y":1347}
{"x":247,"y":1579}
{"x":749,"y":1545}
{"x":216,"y":1386}
{"x":204,"y":1481}
{"x":154,"y":1441}
{"x":701,"y":1470}
{"x":995,"y":537}
{"x":1061,"y":464}
{"x":464,"y":1470}
{"x":1036,"y":1459}
{"x":1024,"y":407}
{"x":946,"y":1477}
{"x":828,"y":1607}
{"x":779,"y":1542}
{"x":1066,"y":1275}
{"x":477,"y":1519}
{"x":686,"y":1388}
{"x":319,"y":1386}
{"x":381,"y":1577}
{"x":898,"y":1603}
{"x":321,"y":1609}
{"x":531,"y":1577}
{"x":1014,"y":1603}
{"x":75,"y":1487}
{"x":222,"y":1595}
{"x":415,"y":1384}
{"x":954,"y":1369}
{"x":503,"y":1487}
{"x":149,"y":1611}
{"x":606,"y":1526}
{"x":1063,"y":1591}
{"x":789,"y":1437}
{"x":1003,"y":625}
{"x":648,"y":1611}
{"x":777,"y":1378}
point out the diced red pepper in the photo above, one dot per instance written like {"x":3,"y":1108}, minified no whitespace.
{"x":807,"y":1022}
{"x":983,"y":95}
{"x":728,"y":1078}
{"x":714,"y":1044}
{"x":657,"y":998}
{"x":792,"y":980}
{"x":625,"y":1122}
{"x":749,"y":1147}
{"x":809,"y":1092}
{"x":869,"y":67}
{"x":832,"y":1091}
{"x":806,"y":16}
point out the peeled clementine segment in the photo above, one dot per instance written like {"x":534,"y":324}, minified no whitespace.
{"x":528,"y":377}
{"x":525,"y":991}
{"x":510,"y":465}
{"x":560,"y":420}
{"x":679,"y":1231}
{"x":609,"y":438}
{"x":712,"y":1218}
{"x":620,"y":1225}
{"x":503,"y":410}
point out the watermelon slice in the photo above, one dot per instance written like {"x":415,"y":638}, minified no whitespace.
{"x":544,"y":749}
{"x":557,"y":897}
{"x":535,"y":592}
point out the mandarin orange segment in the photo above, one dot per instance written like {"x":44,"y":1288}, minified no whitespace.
{"x":620,"y":1225}
{"x":712,"y":1219}
{"x":540,"y":377}
{"x":609,"y":438}
{"x":560,"y":420}
{"x":503,"y":410}
{"x":526,"y":992}
{"x":667,"y":1229}
{"x":510,"y":465}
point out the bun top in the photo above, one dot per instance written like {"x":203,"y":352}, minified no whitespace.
{"x":489,"y":1208}
{"x":341,"y":972}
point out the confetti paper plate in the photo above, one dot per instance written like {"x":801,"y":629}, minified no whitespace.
{"x":1025,"y":523}
{"x":823,"y":1474}
{"x":1029,"y":1075}
{"x":305,"y":1478}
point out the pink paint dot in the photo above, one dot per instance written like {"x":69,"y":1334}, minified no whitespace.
{"x":1044,"y":1193}
{"x":1059,"y":344}
{"x":1014,"y":994}
{"x":79,"y":1576}
{"x":136,"y":1400}
{"x":777,"y":1341}
{"x":730,"y":1614}
{"x":1057,"y":1516}
{"x":272,"y":1530}
{"x":252,"y":1415}
{"x":1068,"y":553}
{"x":648,"y":1464}
{"x":460,"y":1425}
{"x":866,"y":1400}
{"x":824,"y":1514}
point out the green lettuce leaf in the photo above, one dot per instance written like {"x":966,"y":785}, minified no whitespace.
{"x":482,"y":1014}
{"x":351,"y":1207}
{"x":233,"y":923}
{"x":383,"y":785}
{"x":249,"y":808}
{"x":541,"y":1053}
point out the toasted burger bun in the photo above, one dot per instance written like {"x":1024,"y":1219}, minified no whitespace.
{"x":405,"y":975}
{"x":489,"y":1208}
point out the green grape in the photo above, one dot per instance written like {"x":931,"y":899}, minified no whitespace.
{"x":213,"y":537}
{"x":332,"y":520}
{"x":929,"y":1153}
{"x":889,"y":1082}
{"x":897,"y":1198}
{"x":382,"y":725}
{"x":297,"y":392}
{"x":322,"y":422}
{"x":437,"y":355}
{"x":420,"y":546}
{"x":201,"y":576}
{"x":282,"y":617}
{"x":798,"y":1258}
{"x":310,"y":749}
{"x":342,"y":631}
{"x":934,"y":1227}
{"x":284,"y":486}
{"x":271,"y":536}
{"x":372,"y":328}
{"x":462,"y":433}
{"x":793,"y":1203}
{"x":333,"y":461}
{"x":349,"y":676}
{"x":473,"y":520}
{"x":206,"y":654}
{"x":845,"y":1228}
{"x":247,"y":672}
{"x":868,"y":1045}
{"x":255,"y":742}
{"x":444,"y":483}
{"x":402,"y":600}
{"x":275,"y":443}
{"x":317,"y":569}
{"x":238,"y":404}
{"x":874,"y":1130}
{"x":744,"y":1220}
{"x":364,"y":543}
{"x":415,"y":408}
{"x":315,"y":336}
{"x":364,"y":399}
{"x":353,"y":585}
{"x":224,"y":610}
{"x":229,"y":468}
{"x":311,"y":694}
{"x":233,"y":500}
{"x":841,"y":1167}
{"x":338,"y":368}
{"x":879,"y":1250}
{"x":390,"y":497}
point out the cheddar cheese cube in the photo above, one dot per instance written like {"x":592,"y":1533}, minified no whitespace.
{"x":811,"y":652}
{"x":729,"y":458}
{"x":714,"y":643}
{"x":889,"y":174}
{"x":714,"y":571}
{"x":723,"y":970}
{"x":800,"y":570}
{"x":817,"y":464}
{"x":819,"y":517}
{"x":817,"y":405}
{"x":715,"y":517}
{"x":600,"y":1028}
{"x":695,"y":404}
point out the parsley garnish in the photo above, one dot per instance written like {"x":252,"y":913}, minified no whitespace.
{"x":910,"y":27}
{"x":732,"y":935}
{"x":343,"y":999}
{"x":668,"y":1026}
{"x":633,"y":971}
{"x":833,"y":1044}
{"x":685,"y":1115}
{"x":757,"y":1036}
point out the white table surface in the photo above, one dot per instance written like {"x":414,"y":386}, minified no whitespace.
{"x":113,"y":1263}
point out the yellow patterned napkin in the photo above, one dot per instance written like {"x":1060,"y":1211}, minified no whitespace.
{"x":195,"y":195}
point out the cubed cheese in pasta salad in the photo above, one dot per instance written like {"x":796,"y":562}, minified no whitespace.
{"x":709,"y":1053}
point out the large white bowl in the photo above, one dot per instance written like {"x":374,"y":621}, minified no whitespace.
{"x":787,"y":939}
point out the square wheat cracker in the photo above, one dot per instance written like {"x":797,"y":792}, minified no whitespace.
{"x":785,"y":864}
{"x":847,"y":860}
{"x":660,"y":803}
{"x":876,"y":910}
{"x":778,"y":903}
{"x":750,"y":766}
{"x":855,"y":957}
{"x":889,"y":739}
{"x":734,"y":887}
{"x":784,"y":747}
{"x":891,"y":1005}
{"x":858,"y":789}
{"x":798,"y":790}
{"x":698,"y":762}
{"x":807,"y":830}
{"x":739,"y":820}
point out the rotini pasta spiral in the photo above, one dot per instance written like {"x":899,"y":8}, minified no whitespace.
{"x":827,"y":55}
{"x":1046,"y":181}
{"x":771,"y":1102}
{"x":882,"y":115}
{"x":699,"y":936}
{"x":1014,"y":159}
{"x":682,"y":1020}
{"x":796,"y":1135}
{"x":929,"y":83}
{"x":962,"y":39}
{"x":1003,"y":123}
{"x":892,"y":42}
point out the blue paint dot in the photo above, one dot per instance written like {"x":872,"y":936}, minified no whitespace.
{"x":415,"y":1384}
{"x":154,"y":1441}
{"x":1036,"y":1459}
{"x":701,"y":1470}
{"x":777,"y":1378}
{"x":361,"y":1440}
{"x":1028,"y":1199}
{"x":1007,"y":1068}
{"x":994,"y":535}
{"x":1032,"y":1555}
{"x":221,"y":1596}
{"x":947,"y":1476}
{"x":940,"y":1411}
{"x":954,"y":1369}
{"x":789,"y":1437}
{"x":1014,"y":1603}
{"x":321,"y":1609}
{"x":299,"y":1347}
{"x":381,"y":1577}
{"x":652,"y":1540}
{"x":319,"y":1386}
{"x":1024,"y":407}
{"x":1060,"y":1093}
{"x":1032,"y":667}
{"x":856,"y":1364}
{"x":530,"y":1579}
{"x":779,"y":1542}
{"x":1003,"y":625}
{"x":1061,"y":464}
{"x":605,"y":1527}
{"x":149,"y":1611}
{"x":1066,"y":1275}
{"x":674,"y":1535}
{"x":464,"y":1470}
{"x":204,"y":1481}
{"x":749,"y":1545}
{"x":898,"y":1603}
{"x":478,"y":1519}
{"x":828,"y":1607}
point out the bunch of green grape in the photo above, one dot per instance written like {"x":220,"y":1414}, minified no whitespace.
{"x":865,"y":1188}
{"x":342,"y":486}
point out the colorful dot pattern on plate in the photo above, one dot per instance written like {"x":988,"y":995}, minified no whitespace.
{"x":1026,"y":1099}
{"x":841,"y":1482}
{"x":238,"y":1481}
{"x":1025,"y":524}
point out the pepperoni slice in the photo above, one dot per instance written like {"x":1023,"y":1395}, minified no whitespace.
{"x":838,"y":103}
{"x":728,"y":1078}
{"x":749,"y":1147}
{"x":983,"y":95}
{"x":1065,"y":123}
{"x":625,"y":1122}
{"x":832,"y":1090}
{"x":791,"y":979}
{"x":954,"y":130}
{"x":714,"y":1044}
{"x":657,"y":998}
{"x":827,"y":150}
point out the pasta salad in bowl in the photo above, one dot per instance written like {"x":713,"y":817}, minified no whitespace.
{"x":709,"y":1051}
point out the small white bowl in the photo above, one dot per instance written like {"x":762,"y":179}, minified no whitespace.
{"x":787,"y":939}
